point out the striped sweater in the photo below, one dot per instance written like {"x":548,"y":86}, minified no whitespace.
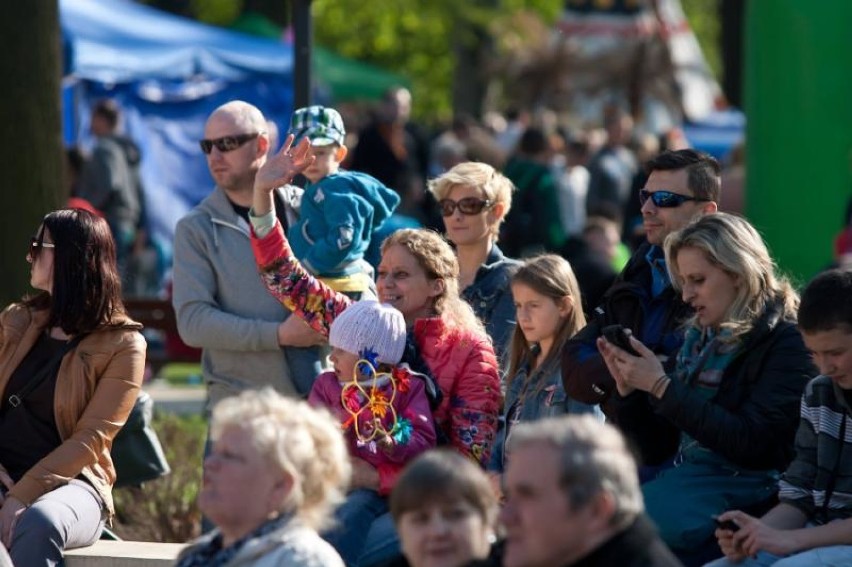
{"x":822,"y":459}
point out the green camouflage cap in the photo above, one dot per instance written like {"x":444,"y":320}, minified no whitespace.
{"x":321,"y":125}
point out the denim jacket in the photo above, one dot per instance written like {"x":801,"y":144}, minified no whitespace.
{"x":539,"y":397}
{"x":491,"y":299}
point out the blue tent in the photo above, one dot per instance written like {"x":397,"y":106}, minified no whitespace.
{"x":167,"y":73}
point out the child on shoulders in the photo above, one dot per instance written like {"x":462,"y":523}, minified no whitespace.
{"x":340,"y":210}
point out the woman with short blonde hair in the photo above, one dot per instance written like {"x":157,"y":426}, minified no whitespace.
{"x":474,"y":199}
{"x":277,"y":469}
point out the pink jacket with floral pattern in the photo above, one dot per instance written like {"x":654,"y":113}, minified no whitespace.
{"x":462,"y":362}
{"x":400,"y":406}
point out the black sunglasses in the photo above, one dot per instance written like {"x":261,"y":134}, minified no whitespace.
{"x":226,"y":143}
{"x":467,"y":206}
{"x":665,"y":199}
{"x":36,"y":245}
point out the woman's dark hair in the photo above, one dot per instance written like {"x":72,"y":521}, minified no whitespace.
{"x":443,"y":475}
{"x":86,"y":289}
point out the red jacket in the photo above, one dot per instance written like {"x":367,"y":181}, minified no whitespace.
{"x":465,"y":368}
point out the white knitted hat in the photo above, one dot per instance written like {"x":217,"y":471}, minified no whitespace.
{"x":372,"y":326}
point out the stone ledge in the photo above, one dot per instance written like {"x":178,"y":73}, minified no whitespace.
{"x":106,"y":553}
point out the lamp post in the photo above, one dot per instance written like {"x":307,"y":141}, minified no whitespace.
{"x":303,"y":38}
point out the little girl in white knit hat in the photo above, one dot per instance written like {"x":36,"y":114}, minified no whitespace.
{"x":383,"y":408}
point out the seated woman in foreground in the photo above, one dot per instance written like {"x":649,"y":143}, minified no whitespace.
{"x":72,"y":363}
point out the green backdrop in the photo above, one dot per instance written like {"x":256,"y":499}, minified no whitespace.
{"x":798,"y":98}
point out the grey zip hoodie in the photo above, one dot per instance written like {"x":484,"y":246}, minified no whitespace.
{"x":223,"y":307}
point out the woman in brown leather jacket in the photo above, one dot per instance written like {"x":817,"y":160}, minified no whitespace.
{"x":71,"y":363}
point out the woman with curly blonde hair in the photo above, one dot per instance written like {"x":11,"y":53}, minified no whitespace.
{"x":418,"y":276}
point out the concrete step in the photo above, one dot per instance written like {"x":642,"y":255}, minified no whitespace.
{"x":176,"y":399}
{"x":106,"y":553}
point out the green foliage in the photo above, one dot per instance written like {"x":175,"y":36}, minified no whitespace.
{"x":166,"y":509}
{"x":411,"y":39}
{"x":703,"y":17}
{"x":217,"y":12}
{"x":415,"y":38}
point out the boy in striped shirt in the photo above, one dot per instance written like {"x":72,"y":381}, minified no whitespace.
{"x":812,"y":524}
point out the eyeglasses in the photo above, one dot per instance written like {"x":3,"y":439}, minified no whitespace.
{"x":467,"y":206}
{"x":665,"y":199}
{"x":227,"y":143}
{"x":36,"y":245}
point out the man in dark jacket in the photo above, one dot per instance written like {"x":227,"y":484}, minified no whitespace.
{"x":110,"y":179}
{"x":573,"y":499}
{"x":681,"y":185}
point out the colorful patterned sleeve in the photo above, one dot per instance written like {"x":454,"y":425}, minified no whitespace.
{"x":296,"y":288}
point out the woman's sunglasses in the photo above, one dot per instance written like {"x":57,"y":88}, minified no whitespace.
{"x":467,"y":206}
{"x":665,"y":199}
{"x":226,"y":143}
{"x":36,"y":246}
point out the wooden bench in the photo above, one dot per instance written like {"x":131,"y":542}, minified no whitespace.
{"x":158,"y":314}
{"x":106,"y":553}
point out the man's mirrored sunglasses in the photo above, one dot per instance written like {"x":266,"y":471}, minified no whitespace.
{"x":226,"y":143}
{"x":467,"y":206}
{"x":665,"y":199}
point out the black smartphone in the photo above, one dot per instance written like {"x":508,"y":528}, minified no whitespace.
{"x":726,"y":524}
{"x":617,"y":336}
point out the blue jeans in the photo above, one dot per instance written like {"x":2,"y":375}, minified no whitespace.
{"x":354,"y":519}
{"x":382,"y":543}
{"x":683,"y":499}
{"x":832,"y":556}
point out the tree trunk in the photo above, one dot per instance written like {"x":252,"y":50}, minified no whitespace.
{"x":473,"y":47}
{"x":731,"y":15}
{"x":31,"y":147}
{"x":469,"y":80}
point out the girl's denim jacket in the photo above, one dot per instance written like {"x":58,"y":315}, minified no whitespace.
{"x":491,"y":299}
{"x":539,"y":397}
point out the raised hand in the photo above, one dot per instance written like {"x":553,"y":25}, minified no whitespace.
{"x":280,"y":169}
